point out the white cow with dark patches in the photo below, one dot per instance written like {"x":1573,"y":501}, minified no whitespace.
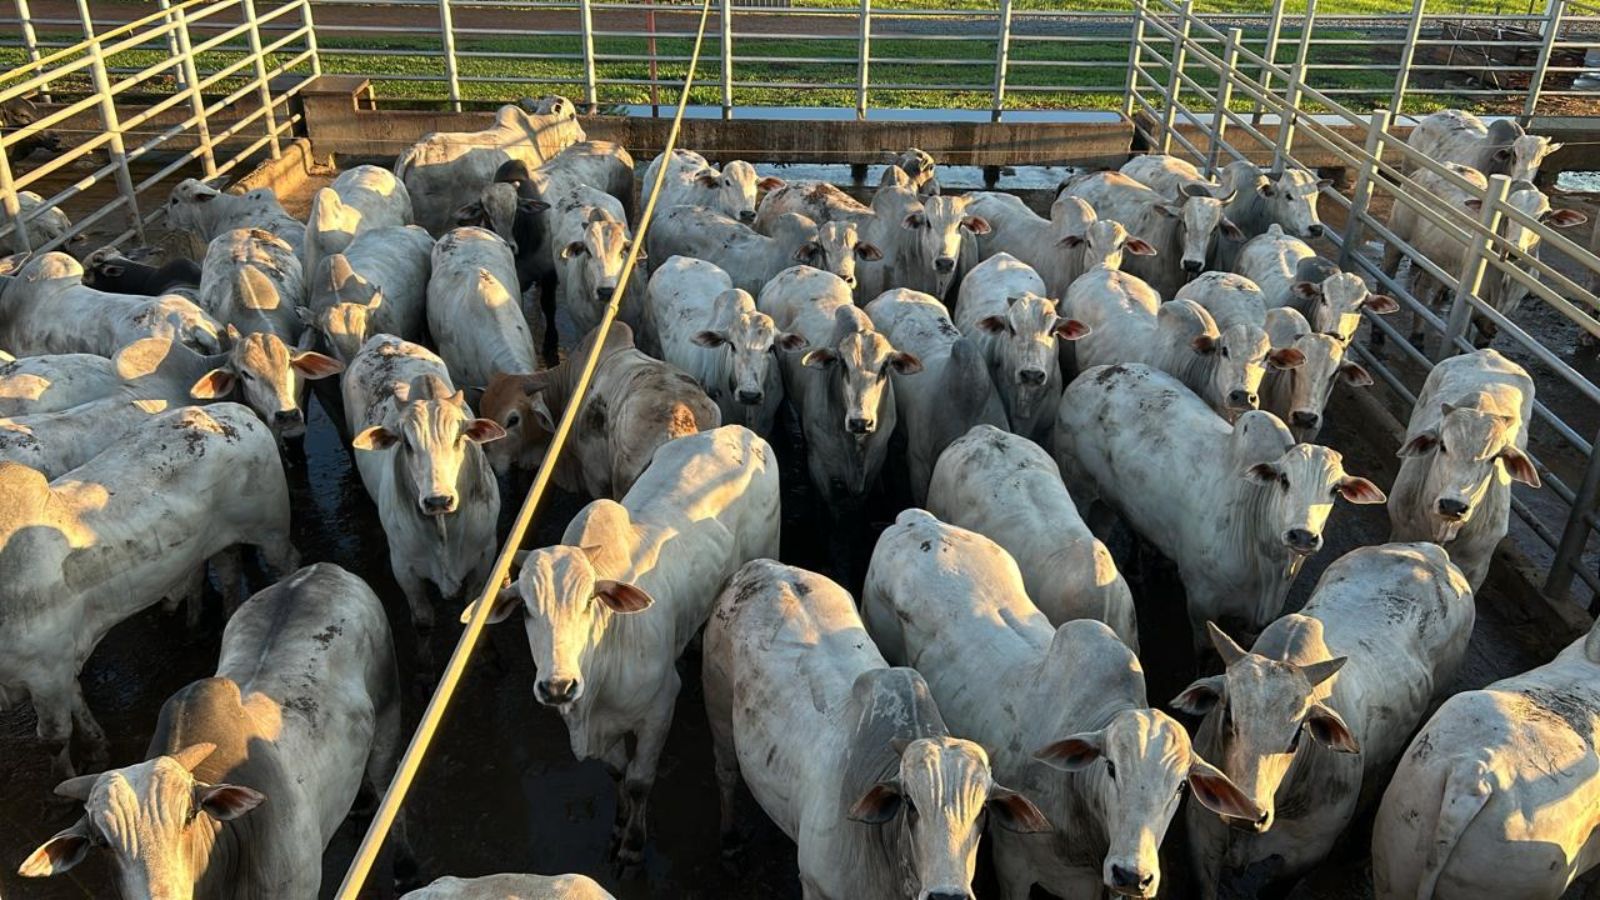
{"x":1310,"y":720}
{"x":133,"y":525}
{"x":207,"y":213}
{"x":1005,"y":308}
{"x":713,"y":331}
{"x":251,"y":772}
{"x":1062,"y":712}
{"x":252,"y":280}
{"x":419,"y":455}
{"x":45,"y":308}
{"x":1059,"y":248}
{"x":1008,"y":489}
{"x":953,"y":391}
{"x":1496,"y":795}
{"x":1238,"y":508}
{"x":360,"y":199}
{"x":55,"y":443}
{"x":474,"y":308}
{"x":1300,"y":395}
{"x":1291,"y":274}
{"x":1500,"y":147}
{"x":1464,"y":447}
{"x":1184,"y":232}
{"x":882,"y":801}
{"x":819,"y":201}
{"x":507,"y":886}
{"x":609,"y":610}
{"x":692,"y":181}
{"x":378,"y":284}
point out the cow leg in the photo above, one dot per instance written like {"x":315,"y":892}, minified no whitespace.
{"x":1011,"y":869}
{"x":616,"y":761}
{"x":97,"y":749}
{"x":279,"y":555}
{"x":641,"y":777}
{"x":229,"y":567}
{"x":720,"y":715}
{"x":54,"y":710}
{"x":416,"y":592}
{"x":189,"y":595}
{"x":547,"y":308}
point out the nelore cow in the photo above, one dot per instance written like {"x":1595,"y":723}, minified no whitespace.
{"x":1314,"y":714}
{"x":1238,"y":508}
{"x":921,"y":239}
{"x":45,"y":308}
{"x":692,"y":181}
{"x":507,"y":886}
{"x":609,"y":610}
{"x":1299,"y":395}
{"x":378,"y":284}
{"x":752,"y":259}
{"x":474,"y":308}
{"x":207,"y":213}
{"x":1062,"y":712}
{"x":1291,"y":274}
{"x":1182,"y":231}
{"x":1500,"y":147}
{"x":882,"y":801}
{"x":1059,"y":249}
{"x":359,"y":200}
{"x":42,"y":224}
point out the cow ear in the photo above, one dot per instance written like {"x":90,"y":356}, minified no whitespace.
{"x":914,"y":220}
{"x":1419,"y":445}
{"x":375,"y":438}
{"x":1139,"y":247}
{"x":315,"y":365}
{"x":806,"y":251}
{"x":1502,"y":155}
{"x":1382,"y":304}
{"x":905,"y":363}
{"x":225,"y":802}
{"x":868,"y":252}
{"x":1565,"y":218}
{"x":482,"y":431}
{"x":1170,"y":210}
{"x":709,"y":339}
{"x":708,"y":178}
{"x":976,"y":224}
{"x":1015,"y":812}
{"x":770,"y":183}
{"x":1071,"y":754}
{"x":790,"y":341}
{"x":1520,"y":467}
{"x":819,"y":358}
{"x":1330,"y":730}
{"x":1360,"y":491}
{"x":531,"y":206}
{"x":1355,"y":375}
{"x":213,"y":385}
{"x":1218,"y":793}
{"x":1231,"y":231}
{"x":1071,"y":329}
{"x":1262,"y":473}
{"x":994,"y":324}
{"x":1287,"y":358}
{"x":1072,"y":241}
{"x":60,"y":853}
{"x":1267,"y":189}
{"x":1198,"y":698}
{"x":576,"y":248}
{"x":1473,"y":204}
{"x":878,"y":805}
{"x":112,"y":269}
{"x":621,"y":597}
{"x":1204,"y":343}
{"x":506,"y":602}
{"x":1305,"y":290}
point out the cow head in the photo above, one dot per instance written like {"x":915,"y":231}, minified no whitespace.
{"x":1261,"y":711}
{"x":1336,"y":304}
{"x":734,"y":189}
{"x":858,"y":360}
{"x":155,"y":821}
{"x":597,"y":258}
{"x":1522,"y":158}
{"x":1469,"y":449}
{"x":1203,"y":223}
{"x":1026,"y":337}
{"x":189,"y":204}
{"x":517,"y":404}
{"x":749,"y":342}
{"x":1298,"y":491}
{"x":1311,"y":383}
{"x":937,"y":224}
{"x":1532,"y":202}
{"x":919,"y":169}
{"x":433,"y":433}
{"x":179,"y":317}
{"x":268,"y":376}
{"x":1105,"y":241}
{"x":1238,"y":360}
{"x":1291,"y":201}
{"x":836,"y":248}
{"x":1139,"y":765}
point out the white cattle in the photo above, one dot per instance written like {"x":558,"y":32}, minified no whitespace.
{"x":1059,"y":248}
{"x":55,"y":443}
{"x":474,"y":308}
{"x":444,"y":168}
{"x":133,"y":525}
{"x":43,"y":223}
{"x":1496,"y":795}
{"x":635,"y":404}
{"x":208,"y":213}
{"x":45,"y":308}
{"x":819,"y":201}
{"x":1183,"y":232}
{"x":919,"y":169}
{"x":267,"y":375}
{"x":1291,"y":274}
{"x":1464,"y":447}
{"x":1127,"y":322}
{"x":376,"y":285}
{"x":1354,"y":671}
{"x":1260,"y":199}
{"x":1171,"y":175}
{"x":753,"y":259}
{"x":1230,"y":299}
{"x":609,"y":610}
{"x":713,"y":331}
{"x":1238,"y":508}
{"x":506,"y":886}
{"x":1003,"y":307}
{"x":921,"y":239}
{"x":252,"y":280}
{"x":1499,"y":148}
{"x":1299,"y":395}
{"x":359,"y":200}
{"x":692,"y":181}
{"x":251,"y":772}
{"x":1062,"y":713}
{"x":592,"y":246}
{"x":599,"y":169}
{"x":951,"y":394}
{"x":1008,"y":489}
{"x":420,"y":460}
{"x":840,"y":388}
{"x":881,"y":800}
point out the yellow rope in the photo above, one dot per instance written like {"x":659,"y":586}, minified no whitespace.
{"x":367,"y":854}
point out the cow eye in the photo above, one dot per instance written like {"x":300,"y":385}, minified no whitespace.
{"x":1111,"y":768}
{"x":1283,"y":481}
{"x":513,"y":420}
{"x":1224,"y":352}
{"x":1442,"y":448}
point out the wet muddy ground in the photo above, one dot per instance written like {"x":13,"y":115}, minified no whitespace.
{"x":501,"y":792}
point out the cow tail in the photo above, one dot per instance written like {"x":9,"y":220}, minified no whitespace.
{"x":1466,"y":791}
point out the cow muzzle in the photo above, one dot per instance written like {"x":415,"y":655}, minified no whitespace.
{"x":947,"y":894}
{"x":860,"y":426}
{"x":1131,"y":882}
{"x":1243,"y":399}
{"x":1453,"y":510}
{"x":749,"y":398}
{"x":1302,"y":541}
{"x":1306,"y":420}
{"x":944,"y":265}
{"x":438,"y":504}
{"x":289,"y":420}
{"x":557,"y":691}
{"x":604,"y":294}
{"x":1193,"y":266}
{"x":1031,"y":377}
{"x":748,"y":216}
{"x":1314,"y":230}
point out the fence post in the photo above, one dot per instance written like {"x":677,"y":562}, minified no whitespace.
{"x":864,"y":48}
{"x":1219,"y":116}
{"x":1002,"y":59}
{"x":447,"y":37}
{"x":8,"y":201}
{"x":173,"y":49}
{"x":727,"y":58}
{"x":30,"y":41}
{"x":311,"y":38}
{"x":1550,"y":29}
{"x":586,"y":26}
{"x":263,"y":89}
{"x":1291,"y":96}
{"x":1480,"y":248}
{"x":1269,"y":52}
{"x":1134,"y":60}
{"x":1408,"y":52}
{"x":197,"y":102}
{"x":1180,"y":53}
{"x":1569,"y":552}
{"x":1361,"y":196}
{"x":108,"y":117}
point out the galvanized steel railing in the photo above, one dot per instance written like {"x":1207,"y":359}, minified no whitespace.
{"x":1170,"y":77}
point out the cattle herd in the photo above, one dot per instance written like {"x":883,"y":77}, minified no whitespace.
{"x":1156,"y":354}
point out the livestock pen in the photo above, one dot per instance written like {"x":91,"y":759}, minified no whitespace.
{"x":139,"y":98}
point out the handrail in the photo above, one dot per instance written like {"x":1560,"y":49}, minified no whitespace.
{"x":477,"y":615}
